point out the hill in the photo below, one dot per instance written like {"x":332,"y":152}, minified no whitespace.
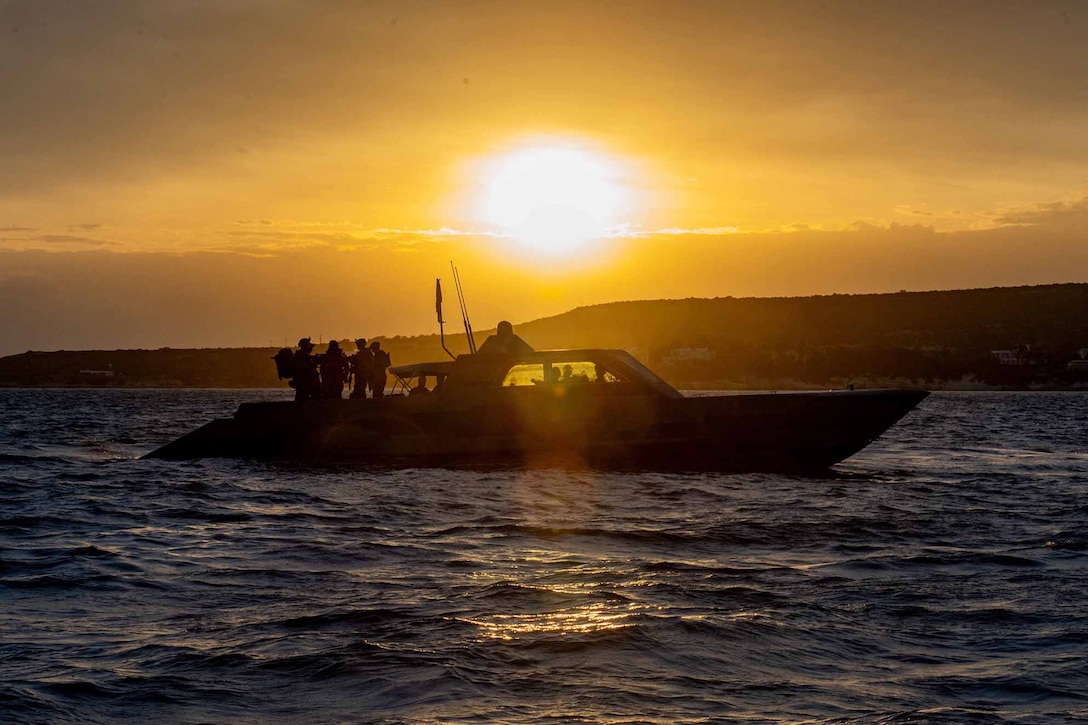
{"x":931,"y":338}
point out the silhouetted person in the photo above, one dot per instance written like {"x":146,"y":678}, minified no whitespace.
{"x":505,"y":342}
{"x":334,"y":370}
{"x":420,"y":388}
{"x":362,"y":364}
{"x":306,"y":381}
{"x":377,"y":376}
{"x":599,"y":373}
{"x":439,"y":381}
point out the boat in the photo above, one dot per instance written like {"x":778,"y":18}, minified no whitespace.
{"x":509,"y":404}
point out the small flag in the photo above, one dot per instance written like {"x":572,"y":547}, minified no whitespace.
{"x":438,"y":299}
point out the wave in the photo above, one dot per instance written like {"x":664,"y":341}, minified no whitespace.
{"x":883,"y":562}
{"x":1067,"y":544}
{"x":91,"y":551}
{"x":36,"y":458}
{"x":32,"y":521}
{"x":344,"y":617}
{"x":227,"y":517}
{"x":55,"y":581}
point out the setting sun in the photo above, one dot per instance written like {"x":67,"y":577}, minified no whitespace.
{"x":553,"y":199}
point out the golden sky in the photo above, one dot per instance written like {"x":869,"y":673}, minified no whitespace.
{"x":199,"y":173}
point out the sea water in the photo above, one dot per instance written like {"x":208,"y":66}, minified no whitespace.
{"x":938,"y":576}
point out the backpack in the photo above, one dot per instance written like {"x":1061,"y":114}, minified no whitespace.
{"x":285,"y":363}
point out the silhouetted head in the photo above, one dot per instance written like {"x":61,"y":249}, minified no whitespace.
{"x":305,"y":344}
{"x":505,"y":329}
{"x":567,"y":371}
{"x":360,"y":343}
{"x":334,"y":345}
{"x":375,"y":345}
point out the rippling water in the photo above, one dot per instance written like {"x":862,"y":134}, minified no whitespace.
{"x":938,"y":576}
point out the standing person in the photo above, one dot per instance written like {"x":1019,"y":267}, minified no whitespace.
{"x":362,"y":363}
{"x":334,"y":368}
{"x":381,"y":362}
{"x":307,"y":383}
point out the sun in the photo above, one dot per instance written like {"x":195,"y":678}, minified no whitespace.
{"x":553,"y":199}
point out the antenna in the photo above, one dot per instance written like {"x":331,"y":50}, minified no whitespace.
{"x":464,"y":309}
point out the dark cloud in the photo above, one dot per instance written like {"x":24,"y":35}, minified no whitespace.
{"x":13,"y":228}
{"x":84,"y":227}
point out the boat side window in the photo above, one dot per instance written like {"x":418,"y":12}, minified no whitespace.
{"x":524,"y":375}
{"x":602,"y":375}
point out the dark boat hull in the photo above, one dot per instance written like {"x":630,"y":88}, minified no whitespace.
{"x":576,"y":426}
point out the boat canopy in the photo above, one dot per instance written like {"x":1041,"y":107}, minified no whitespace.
{"x":414,"y":370}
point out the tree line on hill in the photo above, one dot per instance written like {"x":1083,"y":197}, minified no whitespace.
{"x":935,"y":339}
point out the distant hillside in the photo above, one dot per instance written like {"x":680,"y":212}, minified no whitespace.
{"x":1055,"y":316}
{"x":929,"y":338}
{"x":221,"y":368}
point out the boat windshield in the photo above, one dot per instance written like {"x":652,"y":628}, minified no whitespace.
{"x":545,"y":367}
{"x":565,"y":372}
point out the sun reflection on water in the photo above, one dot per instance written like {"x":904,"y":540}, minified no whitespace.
{"x":579,"y":620}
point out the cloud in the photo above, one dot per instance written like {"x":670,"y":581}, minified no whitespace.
{"x":879,"y":228}
{"x":699,"y":231}
{"x":1059,"y":213}
{"x":301,"y":234}
{"x":903,"y":209}
{"x":867,"y":226}
{"x":13,"y":228}
{"x":444,"y":232}
{"x":360,"y":228}
{"x":84,"y":227}
{"x":73,"y":239}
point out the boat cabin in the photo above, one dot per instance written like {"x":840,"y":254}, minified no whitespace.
{"x":553,"y":369}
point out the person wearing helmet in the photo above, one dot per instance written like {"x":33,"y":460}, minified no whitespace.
{"x":377,"y":371}
{"x":361,"y":363}
{"x":307,"y":383}
{"x":334,"y":368}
